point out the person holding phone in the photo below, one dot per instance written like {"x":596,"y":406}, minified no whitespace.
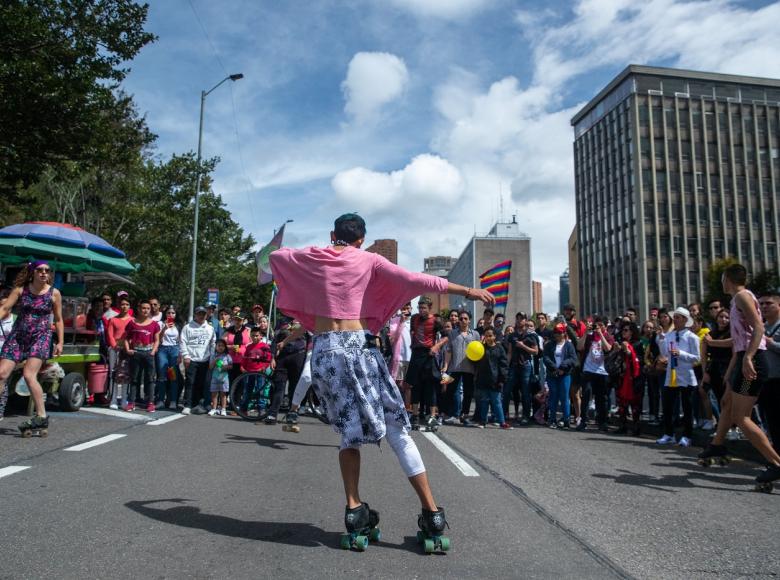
{"x":167,"y":361}
{"x":595,"y":379}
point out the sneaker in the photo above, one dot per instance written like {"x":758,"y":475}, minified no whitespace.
{"x":581,"y":425}
{"x":270,"y":420}
{"x":159,"y":405}
{"x":552,"y":425}
{"x":506,"y":426}
{"x":151,"y":408}
{"x":470,"y":423}
{"x":223,"y":413}
{"x":707,"y":425}
{"x":198,"y":410}
{"x":478,"y":425}
{"x":732,"y":435}
{"x":185,"y":411}
{"x":451,"y":421}
{"x":563,"y":424}
{"x":128,"y":407}
{"x":665,"y":440}
{"x":172,"y":407}
{"x":212,"y":413}
{"x":113,"y":406}
{"x":684,"y":442}
{"x":577,"y":421}
{"x":439,"y":421}
{"x":524,"y":422}
{"x":495,"y":424}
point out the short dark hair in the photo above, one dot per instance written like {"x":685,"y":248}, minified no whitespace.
{"x":521,"y":316}
{"x":462,"y":312}
{"x":143,"y":301}
{"x":488,"y":329}
{"x":426,"y":300}
{"x":736,"y":273}
{"x":713,"y":301}
{"x":254,"y":329}
{"x":631,"y":309}
{"x":349,"y":228}
{"x":488,"y":311}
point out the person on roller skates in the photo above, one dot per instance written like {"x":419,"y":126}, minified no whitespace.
{"x":745,"y":377}
{"x":30,"y":337}
{"x":342,"y":294}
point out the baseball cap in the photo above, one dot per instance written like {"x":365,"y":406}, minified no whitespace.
{"x":200,"y":310}
{"x":211,"y":305}
{"x":122,"y":294}
{"x":560,"y":329}
{"x":257,"y":307}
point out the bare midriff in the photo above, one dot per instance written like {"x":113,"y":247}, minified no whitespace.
{"x":323,"y":324}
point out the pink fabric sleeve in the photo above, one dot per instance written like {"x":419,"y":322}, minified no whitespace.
{"x":415,"y":283}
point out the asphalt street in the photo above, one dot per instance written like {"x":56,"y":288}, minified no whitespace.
{"x":105,"y":496}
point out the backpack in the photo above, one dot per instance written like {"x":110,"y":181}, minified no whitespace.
{"x":615,"y":362}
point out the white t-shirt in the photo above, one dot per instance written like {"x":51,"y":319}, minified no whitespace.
{"x":594,"y":362}
{"x":559,"y":355}
{"x":406,"y":341}
{"x":169,"y":336}
{"x":157,"y":317}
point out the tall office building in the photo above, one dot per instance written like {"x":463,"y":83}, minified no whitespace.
{"x":505,"y":241}
{"x":386,"y":248}
{"x":536,"y":294}
{"x":563,"y":290}
{"x":674,"y":169}
{"x":439,"y":266}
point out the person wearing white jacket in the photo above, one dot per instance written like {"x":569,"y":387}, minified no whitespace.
{"x":196,"y":345}
{"x":681,"y":347}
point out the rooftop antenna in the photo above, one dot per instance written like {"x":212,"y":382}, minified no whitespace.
{"x":514,"y":218}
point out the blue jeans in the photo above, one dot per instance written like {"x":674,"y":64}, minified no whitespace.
{"x":485,"y":397}
{"x":559,"y":393}
{"x":167,"y":357}
{"x":519,"y":386}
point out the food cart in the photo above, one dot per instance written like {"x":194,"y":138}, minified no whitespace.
{"x":77,"y":257}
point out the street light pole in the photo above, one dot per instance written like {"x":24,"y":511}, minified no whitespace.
{"x":203,"y":95}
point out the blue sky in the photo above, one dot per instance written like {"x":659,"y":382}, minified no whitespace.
{"x":419,"y":114}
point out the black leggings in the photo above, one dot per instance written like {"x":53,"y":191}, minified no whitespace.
{"x":142,"y":367}
{"x":769,"y":406}
{"x":669,"y":395}
{"x":468,"y":392}
{"x":288,"y":370}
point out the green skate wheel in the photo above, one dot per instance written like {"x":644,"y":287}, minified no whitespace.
{"x":429,"y":546}
{"x":420,"y":537}
{"x":361,"y":543}
{"x":375,"y":535}
{"x":445,"y":544}
{"x":346,"y":541}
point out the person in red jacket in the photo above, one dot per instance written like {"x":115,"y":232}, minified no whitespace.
{"x":627,"y":395}
{"x":257,"y":354}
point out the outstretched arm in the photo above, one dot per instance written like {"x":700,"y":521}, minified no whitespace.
{"x":471,"y":293}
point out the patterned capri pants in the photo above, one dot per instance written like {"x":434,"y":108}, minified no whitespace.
{"x":362,"y":401}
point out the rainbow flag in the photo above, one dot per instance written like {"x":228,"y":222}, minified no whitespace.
{"x":496,"y":281}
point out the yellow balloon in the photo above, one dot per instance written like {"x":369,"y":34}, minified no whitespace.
{"x":475,"y":351}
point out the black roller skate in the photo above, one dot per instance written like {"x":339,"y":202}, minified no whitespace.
{"x":431,"y":424}
{"x":714,"y":454}
{"x":291,"y":422}
{"x":37,"y":425}
{"x":765,"y":481}
{"x":432,"y":524}
{"x":361,"y":523}
{"x":414,"y":420}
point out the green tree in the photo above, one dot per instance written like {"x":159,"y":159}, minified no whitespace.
{"x":60,"y":67}
{"x":713,"y":281}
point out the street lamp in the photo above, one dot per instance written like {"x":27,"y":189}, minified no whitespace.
{"x":203,"y":95}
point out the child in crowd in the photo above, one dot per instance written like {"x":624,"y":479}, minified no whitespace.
{"x":6,"y":324}
{"x":490,"y":377}
{"x":257,"y":355}
{"x":220,"y":365}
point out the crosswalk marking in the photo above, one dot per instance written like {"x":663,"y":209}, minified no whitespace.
{"x":450,"y":454}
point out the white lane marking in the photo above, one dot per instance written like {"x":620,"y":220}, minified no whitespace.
{"x":165,"y":420}
{"x":112,"y":413}
{"x":95,"y":442}
{"x":450,"y":454}
{"x":11,"y":469}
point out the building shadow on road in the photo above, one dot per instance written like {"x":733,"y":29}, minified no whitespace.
{"x":289,"y":533}
{"x":279,"y":444}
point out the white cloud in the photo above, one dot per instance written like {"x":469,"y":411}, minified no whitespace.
{"x":444,"y":9}
{"x":427,"y":179}
{"x":373,"y":80}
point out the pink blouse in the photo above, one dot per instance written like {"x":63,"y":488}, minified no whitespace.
{"x":351,"y":284}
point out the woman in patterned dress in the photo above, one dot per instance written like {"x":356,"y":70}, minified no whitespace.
{"x":30,"y":338}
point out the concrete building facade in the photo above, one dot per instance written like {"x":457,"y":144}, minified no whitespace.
{"x":574,"y":271}
{"x":674,"y":169}
{"x":439,"y":266}
{"x":505,"y":241}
